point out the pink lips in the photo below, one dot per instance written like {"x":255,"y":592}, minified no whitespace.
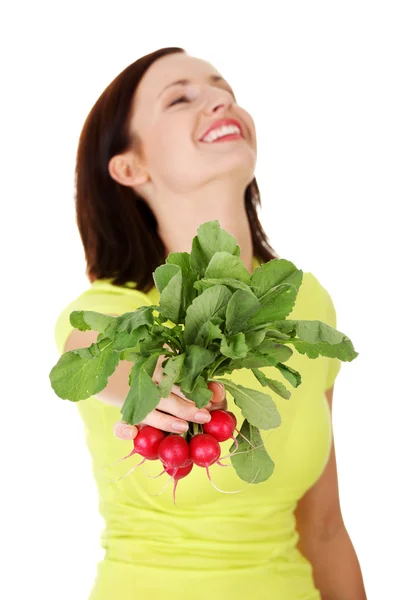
{"x":220,"y":123}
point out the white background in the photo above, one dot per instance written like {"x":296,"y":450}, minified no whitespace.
{"x":321,"y":80}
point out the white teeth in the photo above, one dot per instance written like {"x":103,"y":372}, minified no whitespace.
{"x":220,"y":132}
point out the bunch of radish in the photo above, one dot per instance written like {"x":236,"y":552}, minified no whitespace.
{"x":178,"y":453}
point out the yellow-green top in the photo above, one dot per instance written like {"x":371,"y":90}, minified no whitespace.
{"x":228,"y":546}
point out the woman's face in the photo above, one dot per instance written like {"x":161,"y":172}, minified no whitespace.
{"x":170,"y":120}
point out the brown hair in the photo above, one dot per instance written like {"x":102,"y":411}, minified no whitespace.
{"x":117,"y":227}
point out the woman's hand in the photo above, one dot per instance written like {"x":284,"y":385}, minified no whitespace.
{"x":180,"y":409}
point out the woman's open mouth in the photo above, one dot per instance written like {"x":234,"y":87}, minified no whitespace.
{"x":226,"y":138}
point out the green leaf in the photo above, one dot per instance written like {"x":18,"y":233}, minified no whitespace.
{"x":124,"y":328}
{"x":315,"y":338}
{"x":139,"y":362}
{"x":201,"y":394}
{"x":89,"y":319}
{"x":209,"y":331}
{"x":241,"y":307}
{"x":153,"y":341}
{"x":210,"y":238}
{"x":84,"y":372}
{"x":275,"y":350}
{"x":273,"y":273}
{"x":189,"y":277}
{"x":129,"y":354}
{"x":232,"y":284}
{"x":291,"y":375}
{"x":211,"y":303}
{"x":251,"y":461}
{"x":168,"y":280}
{"x":163,"y":275}
{"x":254,"y":339}
{"x":274,"y":334}
{"x":196,"y":360}
{"x":224,"y":262}
{"x":143,"y":395}
{"x":128,"y":327}
{"x":276,"y":304}
{"x":253,"y":359}
{"x":172,"y":371}
{"x":182,"y":259}
{"x":234,"y":346}
{"x":275,"y":386}
{"x":258,"y":408}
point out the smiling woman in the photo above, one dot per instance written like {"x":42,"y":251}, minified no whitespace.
{"x":125,"y":232}
{"x":145,"y":182}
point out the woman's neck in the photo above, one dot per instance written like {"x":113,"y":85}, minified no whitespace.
{"x":179,"y":219}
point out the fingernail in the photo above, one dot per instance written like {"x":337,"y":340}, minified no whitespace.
{"x":123,"y":431}
{"x":202,"y":417}
{"x":176,"y":426}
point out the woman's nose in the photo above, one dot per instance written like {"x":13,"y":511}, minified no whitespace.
{"x":217,"y":100}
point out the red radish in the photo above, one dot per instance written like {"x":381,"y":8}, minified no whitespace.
{"x":221,"y":426}
{"x":173,"y":451}
{"x":176,"y":475}
{"x":233,"y":417}
{"x":170,"y":470}
{"x":146,"y":444}
{"x":205,"y":451}
{"x":238,"y":432}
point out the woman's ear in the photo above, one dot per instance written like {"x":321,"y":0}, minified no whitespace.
{"x":123,"y":169}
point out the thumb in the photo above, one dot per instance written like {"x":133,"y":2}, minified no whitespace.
{"x":124,"y":431}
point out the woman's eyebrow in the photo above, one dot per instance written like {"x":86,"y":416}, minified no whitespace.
{"x":211,"y":78}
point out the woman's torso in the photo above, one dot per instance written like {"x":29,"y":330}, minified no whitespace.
{"x":225,"y":543}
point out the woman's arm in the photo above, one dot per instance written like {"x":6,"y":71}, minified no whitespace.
{"x":324,"y":540}
{"x":336,"y":570}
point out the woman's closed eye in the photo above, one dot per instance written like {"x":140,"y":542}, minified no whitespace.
{"x":178,"y":100}
{"x":186,"y":99}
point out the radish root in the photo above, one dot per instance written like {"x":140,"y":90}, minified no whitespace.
{"x":126,"y":474}
{"x":229,"y":492}
{"x":221,"y":465}
{"x":154,"y":476}
{"x":248,"y":441}
{"x":164,"y":488}
{"x":243,"y":452}
{"x":119,"y":460}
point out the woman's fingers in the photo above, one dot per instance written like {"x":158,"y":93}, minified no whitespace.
{"x":173,"y":413}
{"x":165,"y":422}
{"x":188,"y":411}
{"x":218,"y":400}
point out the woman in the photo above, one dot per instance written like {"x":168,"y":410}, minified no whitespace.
{"x":147,"y":176}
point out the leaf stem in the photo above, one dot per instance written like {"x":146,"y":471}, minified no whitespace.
{"x":217,"y":363}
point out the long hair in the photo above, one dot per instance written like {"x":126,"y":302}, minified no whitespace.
{"x":117,"y":227}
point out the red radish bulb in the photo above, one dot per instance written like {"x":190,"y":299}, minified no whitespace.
{"x":146,"y":443}
{"x":204,"y":450}
{"x":221,"y":426}
{"x":233,"y":417}
{"x":173,"y":451}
